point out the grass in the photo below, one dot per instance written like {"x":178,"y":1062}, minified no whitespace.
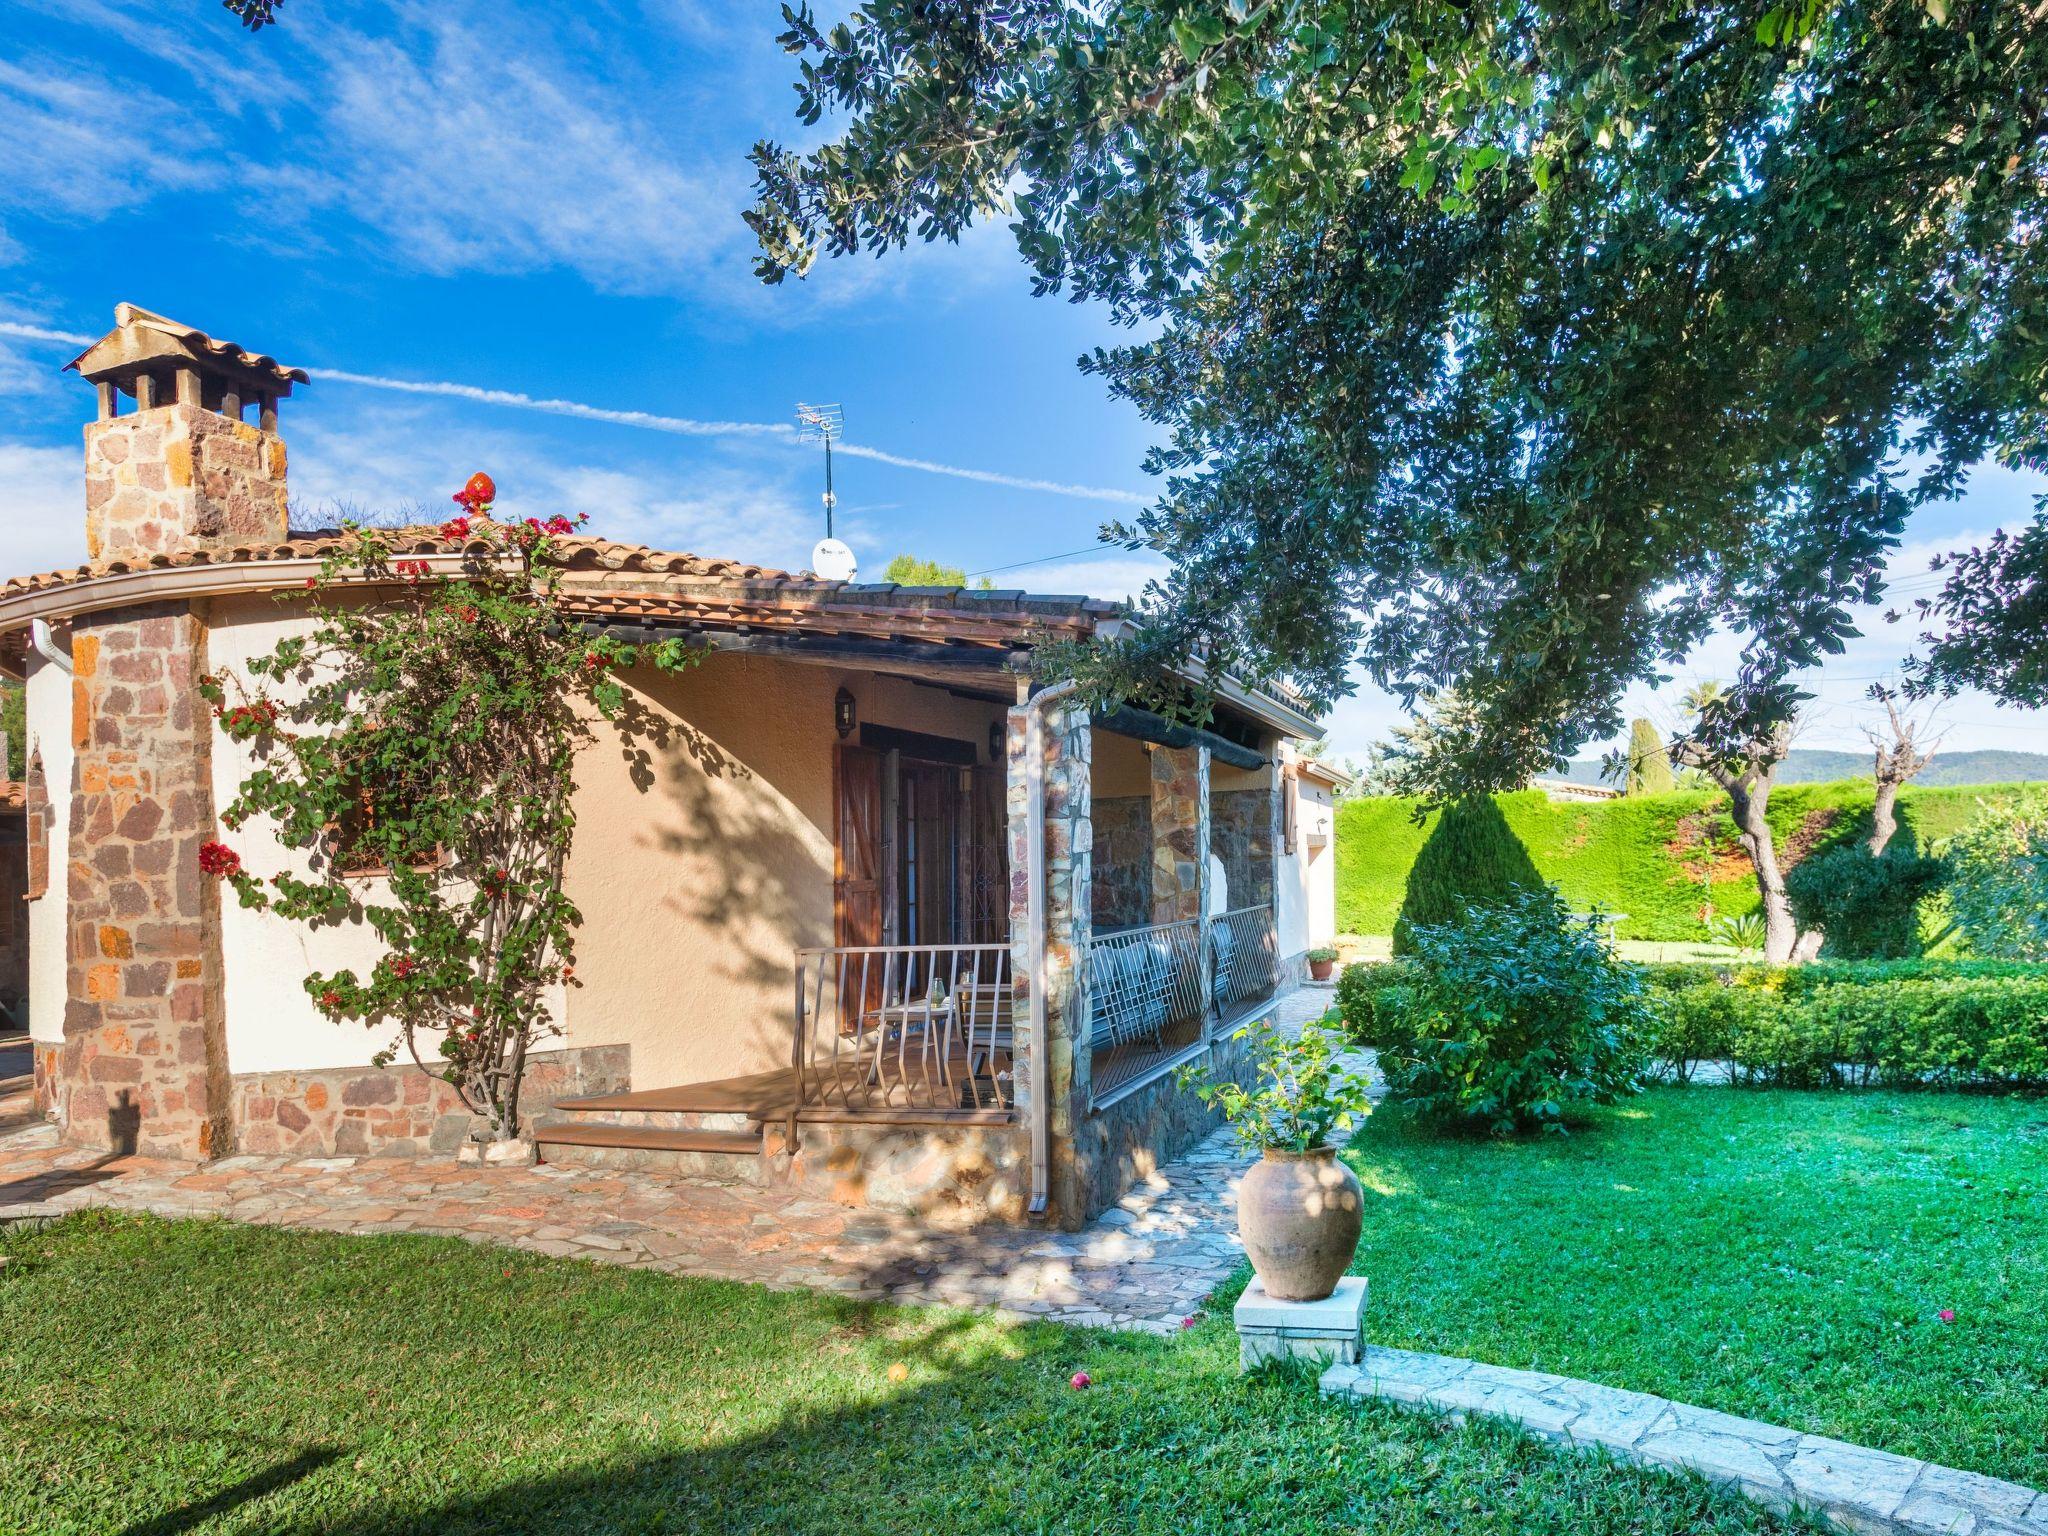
{"x":1779,"y":1255}
{"x":192,"y":1377}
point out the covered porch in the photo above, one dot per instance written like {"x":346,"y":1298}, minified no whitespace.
{"x":971,"y":867}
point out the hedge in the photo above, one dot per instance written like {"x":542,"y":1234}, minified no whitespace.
{"x":1906,"y":1023}
{"x":1642,"y":856}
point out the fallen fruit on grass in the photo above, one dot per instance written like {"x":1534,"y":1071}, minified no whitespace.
{"x":1080,"y":1380}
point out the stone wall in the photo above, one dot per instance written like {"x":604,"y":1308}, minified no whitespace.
{"x":1180,"y":833}
{"x":175,"y":477}
{"x":399,"y":1111}
{"x":1121,"y":895}
{"x":144,"y":1065}
{"x":1122,"y":1146}
{"x":1241,"y":823}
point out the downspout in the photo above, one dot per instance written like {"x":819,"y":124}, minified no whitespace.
{"x":1034,"y":940}
{"x":45,"y":644}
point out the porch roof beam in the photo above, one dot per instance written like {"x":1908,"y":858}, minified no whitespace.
{"x":1143,"y":725}
{"x":998,"y":665}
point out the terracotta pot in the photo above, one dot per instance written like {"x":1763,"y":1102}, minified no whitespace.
{"x":1300,"y":1214}
{"x":1320,"y":969}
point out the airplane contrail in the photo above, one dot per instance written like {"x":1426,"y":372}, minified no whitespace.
{"x":648,"y":421}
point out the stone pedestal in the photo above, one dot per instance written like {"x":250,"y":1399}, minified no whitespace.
{"x":1327,"y":1332}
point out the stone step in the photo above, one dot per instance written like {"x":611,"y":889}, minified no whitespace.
{"x":569,"y":1112}
{"x":646,"y":1138}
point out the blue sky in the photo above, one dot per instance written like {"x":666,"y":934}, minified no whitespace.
{"x":545,"y":200}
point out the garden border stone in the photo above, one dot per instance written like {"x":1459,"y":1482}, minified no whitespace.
{"x":1873,"y":1493}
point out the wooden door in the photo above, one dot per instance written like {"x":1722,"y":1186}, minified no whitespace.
{"x":857,"y":877}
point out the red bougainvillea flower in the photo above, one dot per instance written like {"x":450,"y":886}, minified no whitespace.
{"x":403,"y":967}
{"x":495,"y":882}
{"x":1188,"y":1322}
{"x":312,"y":582}
{"x":479,"y":493}
{"x":466,"y":613}
{"x":330,"y":998}
{"x":411,"y":570}
{"x":219,"y":860}
{"x":1947,"y":1314}
{"x":1080,"y":1381}
{"x":568,"y":973}
{"x":246,"y":720}
{"x":558,"y":524}
{"x":455,"y":528}
{"x":591,"y":661}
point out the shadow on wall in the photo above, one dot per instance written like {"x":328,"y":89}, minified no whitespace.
{"x":755,"y":875}
{"x":1472,"y":855}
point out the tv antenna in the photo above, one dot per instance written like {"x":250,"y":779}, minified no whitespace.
{"x":821,"y":424}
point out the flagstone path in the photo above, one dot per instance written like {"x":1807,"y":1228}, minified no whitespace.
{"x":1853,"y":1487}
{"x":1146,"y":1263}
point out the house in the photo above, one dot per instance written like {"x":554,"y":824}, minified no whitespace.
{"x":867,"y":909}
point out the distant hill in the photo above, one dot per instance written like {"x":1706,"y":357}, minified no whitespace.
{"x":1812,"y":765}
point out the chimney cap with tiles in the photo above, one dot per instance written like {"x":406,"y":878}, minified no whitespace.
{"x":146,"y":351}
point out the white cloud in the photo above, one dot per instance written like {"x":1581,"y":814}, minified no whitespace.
{"x":1111,"y":576}
{"x":471,"y":154}
{"x":42,"y":508}
{"x":76,"y":143}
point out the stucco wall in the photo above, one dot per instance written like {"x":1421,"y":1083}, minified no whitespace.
{"x":49,"y":732}
{"x":703,"y":857}
{"x":1122,"y":765}
{"x":1316,"y":834}
{"x":272,"y":1026}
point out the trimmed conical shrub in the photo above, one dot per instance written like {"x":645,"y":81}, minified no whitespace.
{"x":1471,"y":855}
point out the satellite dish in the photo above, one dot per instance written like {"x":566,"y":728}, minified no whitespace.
{"x":834,"y":561}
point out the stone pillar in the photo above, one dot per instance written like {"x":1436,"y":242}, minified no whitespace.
{"x":1268,"y":841}
{"x":1069,"y":930}
{"x":1180,"y":833}
{"x":178,"y":477}
{"x":144,"y":1062}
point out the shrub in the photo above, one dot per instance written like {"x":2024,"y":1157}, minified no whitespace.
{"x":1520,"y":1016}
{"x":1924,"y":1024}
{"x":1373,"y":997}
{"x":1868,"y":908}
{"x":1998,"y":893}
{"x":1471,"y":856}
{"x":1302,"y":1095}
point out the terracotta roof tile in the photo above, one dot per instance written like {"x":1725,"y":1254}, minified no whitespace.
{"x":634,"y":580}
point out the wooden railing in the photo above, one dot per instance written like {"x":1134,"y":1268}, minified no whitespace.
{"x":894,"y":1028}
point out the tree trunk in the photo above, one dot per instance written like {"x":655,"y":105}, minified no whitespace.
{"x":1753,"y":830}
{"x":1884,"y":816}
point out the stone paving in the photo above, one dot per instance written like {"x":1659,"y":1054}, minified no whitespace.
{"x":1854,"y":1488}
{"x":1145,"y":1263}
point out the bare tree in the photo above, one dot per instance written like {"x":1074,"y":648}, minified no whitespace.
{"x":1900,"y":758}
{"x":1747,"y":771}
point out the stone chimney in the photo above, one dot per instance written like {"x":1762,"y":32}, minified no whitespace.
{"x":183,"y":470}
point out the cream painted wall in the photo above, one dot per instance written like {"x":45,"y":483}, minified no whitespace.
{"x":1307,"y":904}
{"x":1118,"y":765}
{"x":272,"y":1026}
{"x":703,"y":857}
{"x":49,"y":732}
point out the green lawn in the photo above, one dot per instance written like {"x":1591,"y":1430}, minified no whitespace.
{"x":160,"y":1378}
{"x":1780,"y":1255}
